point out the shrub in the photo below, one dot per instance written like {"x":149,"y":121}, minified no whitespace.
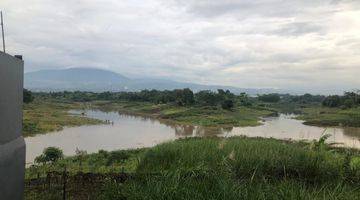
{"x":50,"y":154}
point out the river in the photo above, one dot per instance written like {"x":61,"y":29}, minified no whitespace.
{"x":127,"y":131}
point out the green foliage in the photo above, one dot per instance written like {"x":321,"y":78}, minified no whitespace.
{"x":355,"y":164}
{"x":332,"y":101}
{"x":238,"y":168}
{"x":348,"y":103}
{"x":50,"y":154}
{"x":320,"y":145}
{"x":47,"y":115}
{"x":232,"y":168}
{"x":117,"y":157}
{"x":246,"y":158}
{"x":306,"y":98}
{"x":348,"y":100}
{"x":27,"y":96}
{"x":271,"y":98}
{"x":325,"y":116}
{"x":227,"y":104}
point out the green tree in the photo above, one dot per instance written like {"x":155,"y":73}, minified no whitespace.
{"x":349,"y":103}
{"x":227,"y":104}
{"x":270,"y":98}
{"x":27,"y":96}
{"x":50,"y":154}
{"x":332,"y":101}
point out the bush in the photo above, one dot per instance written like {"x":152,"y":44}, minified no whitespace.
{"x":50,"y":154}
{"x":27,"y":96}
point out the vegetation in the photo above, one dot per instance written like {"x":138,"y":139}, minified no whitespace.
{"x":348,"y":100}
{"x":207,"y":108}
{"x":50,"y":155}
{"x":45,"y":115}
{"x":271,"y":98}
{"x":324,"y":116}
{"x":215,"y":168}
{"x":181,"y":97}
{"x":27,"y":96}
{"x":48,"y":111}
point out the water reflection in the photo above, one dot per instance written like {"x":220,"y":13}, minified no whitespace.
{"x":129,"y":131}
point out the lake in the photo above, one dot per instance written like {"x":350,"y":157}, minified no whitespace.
{"x":127,"y":131}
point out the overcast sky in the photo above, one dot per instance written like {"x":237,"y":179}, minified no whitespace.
{"x":307,"y":45}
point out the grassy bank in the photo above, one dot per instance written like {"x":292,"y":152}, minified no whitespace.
{"x":324,"y":116}
{"x":42,"y":116}
{"x":194,"y":115}
{"x":215,"y":168}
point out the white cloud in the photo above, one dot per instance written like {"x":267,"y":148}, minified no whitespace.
{"x":309,"y":45}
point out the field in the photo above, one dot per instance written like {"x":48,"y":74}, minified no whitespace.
{"x":215,"y":168}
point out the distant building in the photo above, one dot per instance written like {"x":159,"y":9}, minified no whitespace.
{"x":12,"y":144}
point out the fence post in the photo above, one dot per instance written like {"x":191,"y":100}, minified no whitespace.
{"x":64,"y":184}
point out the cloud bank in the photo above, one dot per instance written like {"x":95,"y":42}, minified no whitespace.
{"x":303,"y":45}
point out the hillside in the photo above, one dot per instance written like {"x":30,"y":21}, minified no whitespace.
{"x":97,"y":80}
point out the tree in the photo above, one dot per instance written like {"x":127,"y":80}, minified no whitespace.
{"x":50,"y":154}
{"x":208,"y":98}
{"x":227,"y":104}
{"x":332,"y":101}
{"x":270,"y":98}
{"x":184,"y":96}
{"x":349,"y":103}
{"x":27,"y":96}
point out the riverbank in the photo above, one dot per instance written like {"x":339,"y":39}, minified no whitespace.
{"x":43,"y":116}
{"x":47,"y":115}
{"x":216,"y":168}
{"x":323,"y":116}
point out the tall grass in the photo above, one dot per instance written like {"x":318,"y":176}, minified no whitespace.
{"x":231,"y":168}
{"x":245,"y":158}
{"x":241,"y":168}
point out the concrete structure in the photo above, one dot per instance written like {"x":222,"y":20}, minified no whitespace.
{"x":12,"y":144}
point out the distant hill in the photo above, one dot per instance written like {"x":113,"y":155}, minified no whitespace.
{"x":97,"y":80}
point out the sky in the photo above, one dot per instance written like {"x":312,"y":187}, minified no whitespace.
{"x":300,"y":45}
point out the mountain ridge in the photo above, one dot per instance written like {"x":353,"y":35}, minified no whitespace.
{"x":98,"y":80}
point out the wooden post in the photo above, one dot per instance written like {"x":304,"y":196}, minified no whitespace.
{"x":64,"y":184}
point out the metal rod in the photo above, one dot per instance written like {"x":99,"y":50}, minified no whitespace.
{"x":2,"y":31}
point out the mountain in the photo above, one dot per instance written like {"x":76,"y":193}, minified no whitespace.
{"x":97,"y":80}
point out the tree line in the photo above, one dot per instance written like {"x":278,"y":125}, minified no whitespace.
{"x":181,"y":97}
{"x":186,"y":97}
{"x":348,"y":100}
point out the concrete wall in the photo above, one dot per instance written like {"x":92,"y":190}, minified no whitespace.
{"x":12,"y":145}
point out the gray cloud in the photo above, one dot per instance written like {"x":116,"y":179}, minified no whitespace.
{"x":303,"y":45}
{"x":299,"y":28}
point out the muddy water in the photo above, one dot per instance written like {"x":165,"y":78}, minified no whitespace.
{"x":126,"y":131}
